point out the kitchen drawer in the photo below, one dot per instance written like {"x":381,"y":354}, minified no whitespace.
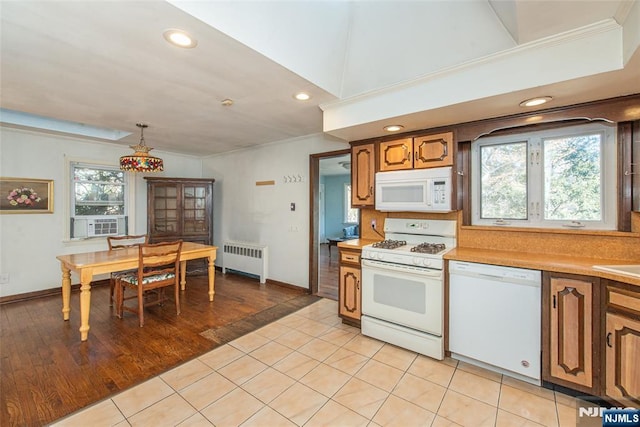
{"x":624,"y":299}
{"x":350,"y":257}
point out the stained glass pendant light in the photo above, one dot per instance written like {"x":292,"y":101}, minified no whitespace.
{"x":141,"y":161}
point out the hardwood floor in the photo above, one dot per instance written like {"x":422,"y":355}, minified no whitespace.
{"x":46,"y":372}
{"x":328,"y":272}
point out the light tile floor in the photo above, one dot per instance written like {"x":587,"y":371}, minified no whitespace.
{"x":308,"y":369}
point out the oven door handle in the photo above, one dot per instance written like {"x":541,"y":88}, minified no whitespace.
{"x":385,"y":266}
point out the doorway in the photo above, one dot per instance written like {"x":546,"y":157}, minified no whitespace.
{"x":328,"y":172}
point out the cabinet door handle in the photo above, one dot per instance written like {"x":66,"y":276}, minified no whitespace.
{"x":608,"y":342}
{"x":371,"y":190}
{"x":358,"y":284}
{"x":554,"y":301}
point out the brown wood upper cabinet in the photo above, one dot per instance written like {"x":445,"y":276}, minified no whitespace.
{"x":571,"y":331}
{"x":363,"y":169}
{"x":416,"y":153}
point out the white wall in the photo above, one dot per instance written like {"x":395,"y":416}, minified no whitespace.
{"x":29,"y":243}
{"x":246,"y":212}
{"x":402,"y":41}
{"x":307,"y":37}
{"x":631,"y":33}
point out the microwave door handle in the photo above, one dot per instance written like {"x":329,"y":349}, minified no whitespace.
{"x":429,"y":191}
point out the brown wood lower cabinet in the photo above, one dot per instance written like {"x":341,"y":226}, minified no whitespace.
{"x":591,"y":336}
{"x":571,"y":331}
{"x":622,"y":353}
{"x":349,"y":300}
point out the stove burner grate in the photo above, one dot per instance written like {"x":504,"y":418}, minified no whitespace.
{"x":389,"y":244}
{"x":429,"y":248}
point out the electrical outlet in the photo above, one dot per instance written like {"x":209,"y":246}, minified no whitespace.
{"x":4,"y":278}
{"x":373,"y":223}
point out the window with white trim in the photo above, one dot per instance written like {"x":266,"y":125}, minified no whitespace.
{"x":99,"y":200}
{"x":559,"y":178}
{"x":351,"y":215}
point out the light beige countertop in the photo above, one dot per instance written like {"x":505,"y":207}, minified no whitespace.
{"x":356,"y":244}
{"x":547,"y":262}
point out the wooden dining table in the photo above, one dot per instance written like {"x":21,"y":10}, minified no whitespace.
{"x":89,"y":264}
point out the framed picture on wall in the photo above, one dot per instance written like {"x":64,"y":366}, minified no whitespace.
{"x":26,"y":195}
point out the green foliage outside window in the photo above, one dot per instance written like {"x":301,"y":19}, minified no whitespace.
{"x":504,"y":181}
{"x":572,"y":178}
{"x":98,"y":191}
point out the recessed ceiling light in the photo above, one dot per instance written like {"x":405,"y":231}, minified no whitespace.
{"x":302,"y":96}
{"x":393,"y":128}
{"x":179,"y":38}
{"x":533,"y":102}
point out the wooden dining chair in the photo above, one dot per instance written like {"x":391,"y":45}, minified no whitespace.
{"x":158,"y":267}
{"x":122,"y":242}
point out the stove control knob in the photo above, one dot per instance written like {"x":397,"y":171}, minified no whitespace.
{"x":426,"y":262}
{"x":416,"y":261}
{"x":380,"y":256}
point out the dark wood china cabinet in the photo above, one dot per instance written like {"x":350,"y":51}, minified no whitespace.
{"x":180,"y":208}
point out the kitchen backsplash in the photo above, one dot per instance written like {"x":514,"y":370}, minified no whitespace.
{"x":598,"y":244}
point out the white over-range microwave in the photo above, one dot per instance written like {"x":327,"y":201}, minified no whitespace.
{"x":416,"y":190}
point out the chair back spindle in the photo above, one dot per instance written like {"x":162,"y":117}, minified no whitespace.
{"x":158,"y":267}
{"x":122,"y":242}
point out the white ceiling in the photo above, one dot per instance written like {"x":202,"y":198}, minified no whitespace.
{"x":339,"y":165}
{"x":106,"y":64}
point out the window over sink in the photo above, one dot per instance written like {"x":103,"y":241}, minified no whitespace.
{"x":554,"y":178}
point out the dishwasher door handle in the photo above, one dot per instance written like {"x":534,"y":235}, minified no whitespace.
{"x":516,"y":281}
{"x":477,"y":274}
{"x":490,"y":276}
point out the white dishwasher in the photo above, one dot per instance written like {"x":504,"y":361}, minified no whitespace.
{"x":494,"y":318}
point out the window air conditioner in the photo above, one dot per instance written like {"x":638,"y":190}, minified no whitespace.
{"x":102,"y":227}
{"x":83,"y":227}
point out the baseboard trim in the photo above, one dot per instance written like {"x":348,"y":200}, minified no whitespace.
{"x":46,"y":292}
{"x":287,"y":285}
{"x":74,"y":288}
{"x":269,"y":281}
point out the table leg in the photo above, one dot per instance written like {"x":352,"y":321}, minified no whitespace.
{"x":85,"y":303}
{"x":212,"y":275}
{"x":66,"y":292}
{"x":183,"y":275}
